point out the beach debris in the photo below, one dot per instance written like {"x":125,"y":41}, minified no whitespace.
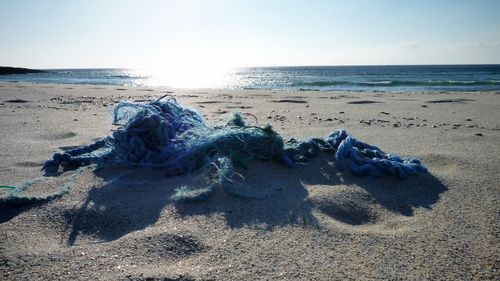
{"x":165,"y":134}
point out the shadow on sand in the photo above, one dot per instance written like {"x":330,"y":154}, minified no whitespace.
{"x":132,"y":200}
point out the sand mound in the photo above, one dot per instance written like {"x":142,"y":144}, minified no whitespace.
{"x":348,"y":206}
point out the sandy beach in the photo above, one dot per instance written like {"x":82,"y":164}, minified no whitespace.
{"x":308,"y":223}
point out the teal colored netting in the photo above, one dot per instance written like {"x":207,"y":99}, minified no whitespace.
{"x":17,"y":196}
{"x":165,"y":134}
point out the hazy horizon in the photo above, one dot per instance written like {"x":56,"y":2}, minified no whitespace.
{"x":222,"y":34}
{"x":283,"y":66}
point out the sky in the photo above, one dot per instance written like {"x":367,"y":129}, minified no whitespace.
{"x":221,"y":33}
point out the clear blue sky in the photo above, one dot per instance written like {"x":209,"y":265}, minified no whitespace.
{"x":153,"y":34}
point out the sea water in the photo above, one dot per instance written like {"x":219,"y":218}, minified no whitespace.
{"x":295,"y":78}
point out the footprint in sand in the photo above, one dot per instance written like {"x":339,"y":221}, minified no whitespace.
{"x":363,"y":102}
{"x":378,"y":205}
{"x":169,"y":245}
{"x":442,"y":164}
{"x":58,"y":136}
{"x":288,"y":101}
{"x":450,"y":101}
{"x":17,"y":101}
{"x":347,"y":205}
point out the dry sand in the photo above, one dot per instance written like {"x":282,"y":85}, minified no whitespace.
{"x":312,"y":223}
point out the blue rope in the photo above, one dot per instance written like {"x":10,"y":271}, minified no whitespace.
{"x":164,"y":134}
{"x":17,"y":198}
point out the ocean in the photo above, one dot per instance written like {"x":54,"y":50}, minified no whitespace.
{"x":296,"y":78}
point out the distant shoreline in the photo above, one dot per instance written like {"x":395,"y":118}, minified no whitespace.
{"x":8,"y":70}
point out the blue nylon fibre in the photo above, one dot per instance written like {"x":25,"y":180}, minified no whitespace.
{"x":165,"y":134}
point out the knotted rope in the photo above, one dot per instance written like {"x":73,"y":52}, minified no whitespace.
{"x":165,"y":134}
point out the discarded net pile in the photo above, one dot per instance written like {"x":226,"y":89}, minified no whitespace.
{"x":164,"y":134}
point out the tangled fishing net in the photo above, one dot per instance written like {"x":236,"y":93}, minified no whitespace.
{"x":167,"y":135}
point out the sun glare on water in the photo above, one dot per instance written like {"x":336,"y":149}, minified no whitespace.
{"x":186,"y":75}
